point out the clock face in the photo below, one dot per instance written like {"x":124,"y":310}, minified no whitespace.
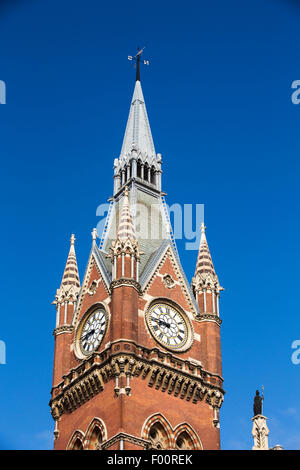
{"x":168,"y":326}
{"x":92,"y":331}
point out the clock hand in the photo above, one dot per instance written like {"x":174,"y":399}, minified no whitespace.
{"x":162,"y":322}
{"x":88,"y":334}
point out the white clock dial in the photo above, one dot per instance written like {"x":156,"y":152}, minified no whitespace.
{"x":168,"y":326}
{"x":92,"y":331}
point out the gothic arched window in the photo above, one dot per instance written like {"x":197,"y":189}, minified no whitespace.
{"x":158,"y":436}
{"x":184,"y":442}
{"x":77,"y":445}
{"x":95,"y":439}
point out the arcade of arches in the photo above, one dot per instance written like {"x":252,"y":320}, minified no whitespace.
{"x":157,"y":432}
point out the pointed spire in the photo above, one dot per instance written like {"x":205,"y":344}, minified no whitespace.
{"x":138,"y":133}
{"x":204,"y":262}
{"x":71,"y":276}
{"x":126,"y":229}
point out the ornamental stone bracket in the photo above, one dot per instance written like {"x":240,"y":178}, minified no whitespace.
{"x":123,"y":281}
{"x":89,"y":379}
{"x":63,"y":329}
{"x":209,"y":317}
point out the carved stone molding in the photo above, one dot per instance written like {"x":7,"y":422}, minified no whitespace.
{"x":122,"y":436}
{"x":63,"y":329}
{"x":93,"y":287}
{"x":168,"y":281}
{"x":125,"y":282}
{"x":129,"y":246}
{"x":89,"y":378}
{"x":209,"y":317}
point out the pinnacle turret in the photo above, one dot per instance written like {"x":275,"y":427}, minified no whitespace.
{"x":126,"y":229}
{"x":71,"y":275}
{"x":205,"y":282}
{"x":125,"y":244}
{"x":70,"y":284}
{"x":204,"y":265}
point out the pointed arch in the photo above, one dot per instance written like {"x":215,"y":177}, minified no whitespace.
{"x":186,"y":438}
{"x":158,"y":431}
{"x":95,"y":434}
{"x":152,"y":175}
{"x":77,"y":441}
{"x":146,"y":168}
{"x":139,"y":168}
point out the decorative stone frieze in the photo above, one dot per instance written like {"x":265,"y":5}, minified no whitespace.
{"x":63,"y":329}
{"x":89,"y":379}
{"x":209,"y":317}
{"x":123,"y":281}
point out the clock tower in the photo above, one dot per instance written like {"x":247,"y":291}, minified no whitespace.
{"x":137,"y":360}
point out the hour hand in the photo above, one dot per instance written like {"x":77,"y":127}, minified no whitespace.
{"x":89,"y":333}
{"x":163,"y":323}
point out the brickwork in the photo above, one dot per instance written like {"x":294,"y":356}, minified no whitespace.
{"x":135,"y":390}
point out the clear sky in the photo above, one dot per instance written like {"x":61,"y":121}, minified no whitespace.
{"x":218,"y":94}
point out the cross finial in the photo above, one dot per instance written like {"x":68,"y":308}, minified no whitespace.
{"x":137,"y":59}
{"x":202,"y":227}
{"x":73,"y":239}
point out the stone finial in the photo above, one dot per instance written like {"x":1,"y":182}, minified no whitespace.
{"x":94,"y":234}
{"x":202,"y":227}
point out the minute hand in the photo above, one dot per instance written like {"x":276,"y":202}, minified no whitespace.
{"x":161,"y":322}
{"x":88,"y":334}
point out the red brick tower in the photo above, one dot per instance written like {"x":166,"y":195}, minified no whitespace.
{"x":137,"y":362}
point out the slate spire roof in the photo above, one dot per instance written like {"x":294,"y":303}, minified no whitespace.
{"x":138,"y":132}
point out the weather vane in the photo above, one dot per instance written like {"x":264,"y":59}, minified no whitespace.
{"x":137,"y":59}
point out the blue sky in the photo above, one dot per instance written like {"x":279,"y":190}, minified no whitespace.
{"x":218,"y":94}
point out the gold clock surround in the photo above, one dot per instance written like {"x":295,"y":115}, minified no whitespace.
{"x":169,"y":325}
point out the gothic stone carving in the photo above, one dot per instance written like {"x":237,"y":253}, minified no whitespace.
{"x":90,"y":377}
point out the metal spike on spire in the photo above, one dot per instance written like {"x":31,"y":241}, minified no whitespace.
{"x":138,"y":131}
{"x":137,"y":59}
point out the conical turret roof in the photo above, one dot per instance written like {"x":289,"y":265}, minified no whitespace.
{"x":71,"y":275}
{"x":126,"y":228}
{"x":204,"y":262}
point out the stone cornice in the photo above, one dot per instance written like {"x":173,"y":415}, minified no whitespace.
{"x":209,"y":317}
{"x":161,"y":370}
{"x":63,"y":329}
{"x":123,"y":281}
